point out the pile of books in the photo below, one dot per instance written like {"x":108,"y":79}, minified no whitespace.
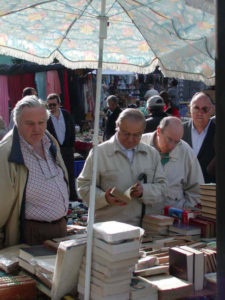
{"x":156,"y":224}
{"x":40,"y":261}
{"x":115,"y":253}
{"x":193,"y":232}
{"x":208,"y":200}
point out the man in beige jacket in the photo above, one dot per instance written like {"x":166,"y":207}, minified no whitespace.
{"x":179,"y":162}
{"x":121,"y":161}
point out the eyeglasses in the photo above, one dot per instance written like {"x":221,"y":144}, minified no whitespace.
{"x":204,"y":109}
{"x":51,"y":105}
{"x":128,"y":134}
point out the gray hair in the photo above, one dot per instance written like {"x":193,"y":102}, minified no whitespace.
{"x":131,"y":114}
{"x":165,"y":122}
{"x":28,"y":101}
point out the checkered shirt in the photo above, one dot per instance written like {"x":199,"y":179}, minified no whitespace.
{"x":47,"y":197}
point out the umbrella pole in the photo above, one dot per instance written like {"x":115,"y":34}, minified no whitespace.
{"x":91,"y":211}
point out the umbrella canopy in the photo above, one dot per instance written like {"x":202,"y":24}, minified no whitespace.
{"x":141,"y":34}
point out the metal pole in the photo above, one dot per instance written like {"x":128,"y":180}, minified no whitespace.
{"x":220,"y":146}
{"x":91,"y":211}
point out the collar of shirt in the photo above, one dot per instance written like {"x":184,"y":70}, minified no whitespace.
{"x":129,"y":152}
{"x":45,"y":142}
{"x":60,"y":116}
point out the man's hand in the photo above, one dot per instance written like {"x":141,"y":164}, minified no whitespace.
{"x":136,"y":190}
{"x":112,"y":200}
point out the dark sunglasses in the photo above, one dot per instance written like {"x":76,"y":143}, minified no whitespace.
{"x":51,"y":105}
{"x":204,"y":109}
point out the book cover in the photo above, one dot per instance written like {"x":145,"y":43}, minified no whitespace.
{"x":198,"y":267}
{"x":113,"y":231}
{"x":123,"y":196}
{"x":170,"y":287}
{"x":141,"y":289}
{"x":181,"y":263}
{"x":185,"y":229}
{"x":156,"y":270}
{"x":204,"y":225}
{"x":33,"y":252}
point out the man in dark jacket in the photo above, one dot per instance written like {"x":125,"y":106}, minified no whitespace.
{"x":155,"y":106}
{"x":200,"y":131}
{"x":111,"y":116}
{"x":61,"y":126}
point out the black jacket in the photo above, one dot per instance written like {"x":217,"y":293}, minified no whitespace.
{"x":207,"y":151}
{"x":110,"y":127}
{"x":154,"y":119}
{"x":70,"y":129}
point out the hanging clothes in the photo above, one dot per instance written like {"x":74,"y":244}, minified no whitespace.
{"x":40,"y":80}
{"x":16,"y":84}
{"x":66,"y":93}
{"x":4,"y":98}
{"x":53,"y":83}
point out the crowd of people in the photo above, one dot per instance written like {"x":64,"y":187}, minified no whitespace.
{"x":162,"y":160}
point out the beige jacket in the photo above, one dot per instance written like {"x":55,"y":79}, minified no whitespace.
{"x":115,"y":169}
{"x":12,"y":185}
{"x":183,"y":173}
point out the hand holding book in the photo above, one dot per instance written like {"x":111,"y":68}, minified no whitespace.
{"x":113,"y":199}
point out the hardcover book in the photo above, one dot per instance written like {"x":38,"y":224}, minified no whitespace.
{"x":181,"y":263}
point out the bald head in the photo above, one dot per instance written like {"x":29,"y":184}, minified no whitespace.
{"x":169,"y":133}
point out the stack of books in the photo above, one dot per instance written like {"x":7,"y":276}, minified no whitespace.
{"x":40,"y":261}
{"x":115,"y":253}
{"x":193,"y":232}
{"x":156,"y":224}
{"x":208,"y":200}
{"x":142,"y":289}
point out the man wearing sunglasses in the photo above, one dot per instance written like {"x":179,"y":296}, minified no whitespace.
{"x":200,"y":131}
{"x":121,"y":161}
{"x":61,"y":126}
{"x":179,"y":162}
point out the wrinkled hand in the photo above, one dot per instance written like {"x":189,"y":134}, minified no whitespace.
{"x":112,"y":200}
{"x":136,"y":190}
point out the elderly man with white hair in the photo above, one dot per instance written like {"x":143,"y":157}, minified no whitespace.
{"x":179,"y":162}
{"x":34,"y":184}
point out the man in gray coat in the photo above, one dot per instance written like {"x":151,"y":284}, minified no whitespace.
{"x":122,"y":161}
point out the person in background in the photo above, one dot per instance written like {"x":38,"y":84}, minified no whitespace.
{"x":169,"y":108}
{"x":34,"y":191}
{"x":122,"y":160}
{"x":62,"y":127}
{"x":199,"y":132}
{"x":179,"y":162}
{"x":111,"y":116}
{"x":150,"y":92}
{"x":27,"y":91}
{"x":155,"y":106}
{"x":173,"y":93}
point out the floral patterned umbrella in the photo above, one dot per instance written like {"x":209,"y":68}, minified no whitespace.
{"x":128,"y":35}
{"x":140,"y":35}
